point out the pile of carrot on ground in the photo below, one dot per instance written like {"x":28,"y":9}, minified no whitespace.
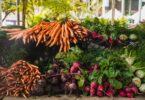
{"x":53,"y":34}
{"x":18,"y":79}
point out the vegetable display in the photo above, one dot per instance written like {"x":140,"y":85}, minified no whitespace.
{"x":104,"y":62}
{"x":53,"y":34}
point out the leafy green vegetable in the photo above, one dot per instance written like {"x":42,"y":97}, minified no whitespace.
{"x":115,"y":83}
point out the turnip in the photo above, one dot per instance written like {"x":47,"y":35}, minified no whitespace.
{"x":130,"y":95}
{"x":133,"y":37}
{"x":100,"y":93}
{"x":122,"y":93}
{"x":93,"y":85}
{"x":142,"y":88}
{"x":123,"y":37}
{"x":130,"y":60}
{"x":139,"y":74}
{"x":136,"y":81}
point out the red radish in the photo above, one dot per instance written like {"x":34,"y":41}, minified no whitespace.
{"x":94,"y":67}
{"x":100,"y":93}
{"x":73,"y":70}
{"x":114,"y":91}
{"x":87,"y":89}
{"x":118,"y":41}
{"x":109,"y":93}
{"x":128,"y":89}
{"x":92,"y":92}
{"x":100,"y":87}
{"x":122,"y":93}
{"x":76,"y":64}
{"x":110,"y":40}
{"x":110,"y":86}
{"x":95,"y":35}
{"x":75,"y":67}
{"x":130,"y":95}
{"x":106,"y":85}
{"x":91,"y":69}
{"x":93,"y":85}
{"x":134,"y":89}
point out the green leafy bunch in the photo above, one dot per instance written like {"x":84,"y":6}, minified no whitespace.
{"x":113,"y":68}
{"x":104,"y":27}
{"x":75,"y":54}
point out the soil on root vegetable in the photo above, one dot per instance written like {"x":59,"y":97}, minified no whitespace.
{"x":64,"y":97}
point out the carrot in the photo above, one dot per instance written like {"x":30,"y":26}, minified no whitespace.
{"x":40,"y":37}
{"x":56,"y":38}
{"x":54,"y":29}
{"x":24,"y":95}
{"x":75,"y":40}
{"x":61,"y":42}
{"x":76,"y":27}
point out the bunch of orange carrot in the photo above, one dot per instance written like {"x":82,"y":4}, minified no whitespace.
{"x":18,"y":79}
{"x":53,"y":33}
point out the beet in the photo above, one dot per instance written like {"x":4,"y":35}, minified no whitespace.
{"x":93,"y":85}
{"x":130,"y":95}
{"x":87,"y":89}
{"x":100,"y":88}
{"x":79,"y":72}
{"x":100,"y":93}
{"x":109,"y":93}
{"x":122,"y":93}
{"x":92,"y":92}
{"x":72,"y":86}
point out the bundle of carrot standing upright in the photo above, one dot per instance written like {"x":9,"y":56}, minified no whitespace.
{"x":53,"y":33}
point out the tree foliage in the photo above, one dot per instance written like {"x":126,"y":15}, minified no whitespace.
{"x":8,"y":6}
